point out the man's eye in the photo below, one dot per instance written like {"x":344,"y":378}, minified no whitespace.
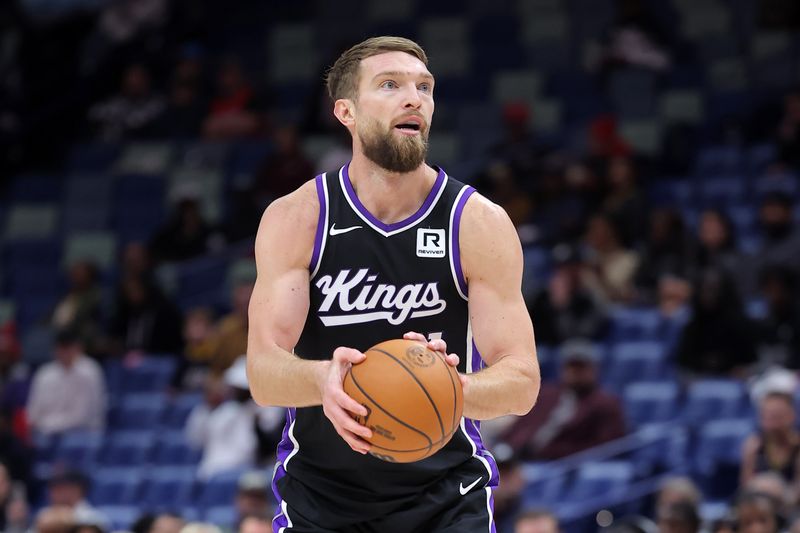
{"x":389,"y":85}
{"x":425,"y":87}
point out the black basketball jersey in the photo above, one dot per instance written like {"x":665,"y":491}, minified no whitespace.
{"x":372,"y":282}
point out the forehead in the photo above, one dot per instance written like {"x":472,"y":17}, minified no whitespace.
{"x":392,"y":62}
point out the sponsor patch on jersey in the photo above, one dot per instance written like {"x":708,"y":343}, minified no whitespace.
{"x":430,"y":242}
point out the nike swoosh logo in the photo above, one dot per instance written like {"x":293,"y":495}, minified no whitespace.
{"x":339,"y":231}
{"x":463,"y":490}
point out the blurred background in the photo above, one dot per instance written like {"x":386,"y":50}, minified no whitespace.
{"x":647,"y":151}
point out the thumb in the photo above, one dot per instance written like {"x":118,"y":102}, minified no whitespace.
{"x":348,"y":355}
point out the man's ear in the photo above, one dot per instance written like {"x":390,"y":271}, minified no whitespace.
{"x":344,"y":110}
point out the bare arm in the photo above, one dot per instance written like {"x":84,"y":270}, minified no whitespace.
{"x":492,"y":262}
{"x":278,"y":309}
{"x":748,"y":468}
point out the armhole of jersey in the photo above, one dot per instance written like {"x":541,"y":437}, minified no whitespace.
{"x":455,"y":254}
{"x":322,"y":224}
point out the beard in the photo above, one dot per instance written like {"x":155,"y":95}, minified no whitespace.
{"x":389,"y":152}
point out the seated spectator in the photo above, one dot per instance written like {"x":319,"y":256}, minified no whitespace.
{"x":520,"y":148}
{"x":256,"y":523}
{"x":184,"y":112}
{"x":80,"y":309}
{"x":69,"y":488}
{"x":774,"y":485}
{"x":284,"y":170}
{"x":624,"y":201}
{"x":506,"y":191}
{"x":781,"y":240}
{"x":666,"y":252}
{"x":676,"y":490}
{"x":13,"y":504}
{"x":200,"y":527}
{"x":756,"y":512}
{"x":679,"y":517}
{"x":716,"y":243}
{"x":674,"y":295}
{"x":252,"y":496}
{"x":536,"y":521}
{"x":166,"y":523}
{"x":55,"y":519}
{"x":226,"y":433}
{"x":186,"y":234}
{"x":718,"y":340}
{"x":779,"y":330}
{"x":236,"y":109}
{"x":131,"y":114}
{"x":637,"y":39}
{"x":145,"y":320}
{"x":9,"y":349}
{"x":572,"y":416}
{"x":567,"y":308}
{"x":136,"y":261}
{"x":69,"y":392}
{"x":604,"y":142}
{"x":611,"y":267}
{"x":776,"y":446}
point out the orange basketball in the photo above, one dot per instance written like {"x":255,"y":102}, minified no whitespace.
{"x":413,"y":398}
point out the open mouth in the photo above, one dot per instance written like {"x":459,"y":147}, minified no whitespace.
{"x":408,"y":126}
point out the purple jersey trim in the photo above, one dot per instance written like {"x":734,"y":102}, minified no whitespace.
{"x":285,"y":448}
{"x":321,"y":229}
{"x":462,"y":282}
{"x":351,"y":193}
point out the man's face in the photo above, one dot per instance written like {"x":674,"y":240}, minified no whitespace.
{"x":393,"y":110}
{"x":542,"y":524}
{"x":68,"y":494}
{"x":254,"y":525}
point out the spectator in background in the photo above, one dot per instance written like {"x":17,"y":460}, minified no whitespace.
{"x":566,"y":308}
{"x":9,"y":348}
{"x":69,"y":488}
{"x":666,"y":253}
{"x":637,"y":39}
{"x":145,"y":320}
{"x":166,"y":523}
{"x":55,"y":519}
{"x":504,"y":189}
{"x":252,"y":496}
{"x":562,"y":197}
{"x":536,"y":521}
{"x":569,"y":417}
{"x":236,"y":110}
{"x":716,"y":243}
{"x":283,"y":170}
{"x":507,"y":495}
{"x":781,"y":241}
{"x":226,"y":433}
{"x":136,"y":261}
{"x":14,"y":514}
{"x":773,"y":484}
{"x":184,"y":112}
{"x":260,"y":523}
{"x":186,"y":234}
{"x":611,"y":266}
{"x":756,"y":512}
{"x":624,"y":202}
{"x":80,"y":309}
{"x":718,"y":340}
{"x":519,"y":148}
{"x":779,"y":330}
{"x":677,"y":490}
{"x":776,"y":446}
{"x":679,"y":517}
{"x":788,"y":135}
{"x":131,"y":114}
{"x":605,"y":142}
{"x":68,"y":393}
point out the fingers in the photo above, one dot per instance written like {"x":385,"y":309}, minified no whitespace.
{"x":348,"y":404}
{"x":348,"y":355}
{"x":414,"y":336}
{"x":437,"y":345}
{"x":452,"y":359}
{"x":351,"y":431}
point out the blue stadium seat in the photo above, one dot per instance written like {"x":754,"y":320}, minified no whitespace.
{"x":179,"y":409}
{"x":139,"y":411}
{"x":545,"y":483}
{"x":169,"y":487}
{"x":35,"y":189}
{"x":93,"y":157}
{"x":247,"y":156}
{"x":718,"y":160}
{"x":632,"y":91}
{"x":79,"y":449}
{"x":723,"y":190}
{"x":712,"y":399}
{"x":600,"y":478}
{"x":651,"y":401}
{"x":784,"y":182}
{"x":116,"y":486}
{"x":667,"y":449}
{"x":220,"y":489}
{"x":128,"y":448}
{"x":152,"y":374}
{"x":670,"y":192}
{"x":37,"y":344}
{"x":122,"y":517}
{"x":173,"y":450}
{"x":759,"y":157}
{"x":634,"y":324}
{"x":635,"y":361}
{"x":717,"y":454}
{"x":224,"y":516}
{"x":205,"y":277}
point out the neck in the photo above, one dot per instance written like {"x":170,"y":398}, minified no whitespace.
{"x":390,"y":196}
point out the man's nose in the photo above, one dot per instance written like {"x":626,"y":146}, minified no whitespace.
{"x":411,"y":97}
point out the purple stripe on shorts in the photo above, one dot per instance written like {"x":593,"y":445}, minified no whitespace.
{"x":462,"y":283}
{"x":473,"y":431}
{"x":321,"y":229}
{"x":492,"y":524}
{"x":279,"y":521}
{"x":285,"y":447}
{"x":351,"y":193}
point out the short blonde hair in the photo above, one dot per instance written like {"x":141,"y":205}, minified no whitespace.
{"x":342,"y":78}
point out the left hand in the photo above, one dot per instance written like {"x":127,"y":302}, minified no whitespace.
{"x":438,"y":345}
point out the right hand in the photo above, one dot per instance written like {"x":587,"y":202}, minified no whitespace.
{"x":337,"y":405}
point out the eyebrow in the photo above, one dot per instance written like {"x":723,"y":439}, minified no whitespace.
{"x":387,"y":73}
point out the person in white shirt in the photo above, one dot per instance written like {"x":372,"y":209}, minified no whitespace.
{"x":68,"y":393}
{"x":227,"y":432}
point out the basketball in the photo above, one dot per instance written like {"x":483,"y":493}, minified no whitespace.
{"x":413,"y":398}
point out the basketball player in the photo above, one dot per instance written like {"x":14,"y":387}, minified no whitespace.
{"x":382,"y":247}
